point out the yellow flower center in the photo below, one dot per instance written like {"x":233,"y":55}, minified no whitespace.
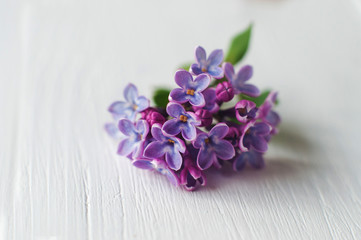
{"x":183,"y":118}
{"x":170,"y":140}
{"x":206,"y":140}
{"x":204,"y":69}
{"x":190,"y":92}
{"x":135,"y":107}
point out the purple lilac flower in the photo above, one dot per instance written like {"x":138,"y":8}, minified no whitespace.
{"x":133,"y":104}
{"x":136,"y":134}
{"x":267,"y":114}
{"x":224,"y":92}
{"x":212,"y":146}
{"x":159,"y":166}
{"x":191,"y":90}
{"x":253,"y":158}
{"x":210,"y":65}
{"x":239,"y":80}
{"x":167,"y":145}
{"x":245,"y":110}
{"x":191,"y":175}
{"x":205,"y":116}
{"x":152,"y":116}
{"x":210,"y":99}
{"x":254,"y":136}
{"x":183,"y":121}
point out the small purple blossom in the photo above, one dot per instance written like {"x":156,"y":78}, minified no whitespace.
{"x":135,"y":134}
{"x":191,"y":175}
{"x":210,"y":65}
{"x":266,"y":113}
{"x":212,"y":146}
{"x":167,"y":145}
{"x":253,"y":158}
{"x":224,"y":92}
{"x":133,"y":104}
{"x":183,"y":121}
{"x":158,"y":166}
{"x":191,"y":89}
{"x":245,"y":111}
{"x":254,"y":136}
{"x":239,"y":80}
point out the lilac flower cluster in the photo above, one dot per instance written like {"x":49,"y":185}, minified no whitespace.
{"x":195,"y":132}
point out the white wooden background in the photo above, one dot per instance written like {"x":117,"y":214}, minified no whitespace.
{"x":63,"y":62}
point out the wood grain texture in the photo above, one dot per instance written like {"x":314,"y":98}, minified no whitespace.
{"x":63,"y":63}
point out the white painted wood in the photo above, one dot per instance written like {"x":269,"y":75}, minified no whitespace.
{"x":63,"y":62}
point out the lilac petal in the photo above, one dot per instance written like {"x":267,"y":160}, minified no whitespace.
{"x":245,"y":73}
{"x":216,"y":72}
{"x":179,"y":145}
{"x":157,"y":132}
{"x":249,"y":90}
{"x":130,"y":93}
{"x":259,"y":144}
{"x":197,"y":100}
{"x":224,"y":150}
{"x":273,"y":118}
{"x":220,"y":130}
{"x":142,"y":103}
{"x":195,"y":172}
{"x":183,"y":78}
{"x":175,"y":109}
{"x":142,"y":127}
{"x":172,"y":177}
{"x":112,"y":130}
{"x":215,"y":58}
{"x":201,"y":82}
{"x":256,"y":160}
{"x":155,"y":150}
{"x":174,"y":160}
{"x":126,"y":127}
{"x":126,"y":146}
{"x":193,"y":119}
{"x":178,"y":95}
{"x":172,"y":127}
{"x":190,"y":182}
{"x":143,"y":164}
{"x":206,"y":157}
{"x":201,"y":56}
{"x":240,"y":161}
{"x":119,"y":107}
{"x":189,"y":132}
{"x":228,"y":71}
{"x":196,"y":69}
{"x":138,"y":149}
{"x":198,"y":143}
{"x":261,"y":129}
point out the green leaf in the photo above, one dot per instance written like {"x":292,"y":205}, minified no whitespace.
{"x":257,"y":100}
{"x":160,"y":97}
{"x":239,"y":46}
{"x":186,"y":66}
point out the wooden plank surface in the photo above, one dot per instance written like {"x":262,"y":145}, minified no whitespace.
{"x":64,"y":62}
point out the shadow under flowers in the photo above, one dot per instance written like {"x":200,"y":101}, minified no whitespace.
{"x":288,"y":161}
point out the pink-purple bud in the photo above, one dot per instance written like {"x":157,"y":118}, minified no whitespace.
{"x":224,"y":91}
{"x":152,"y":116}
{"x":205,"y":116}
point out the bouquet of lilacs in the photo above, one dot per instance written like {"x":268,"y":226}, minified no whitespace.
{"x":190,"y":129}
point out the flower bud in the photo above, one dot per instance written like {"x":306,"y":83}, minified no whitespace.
{"x":205,"y":116}
{"x":224,"y":91}
{"x":152,"y":116}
